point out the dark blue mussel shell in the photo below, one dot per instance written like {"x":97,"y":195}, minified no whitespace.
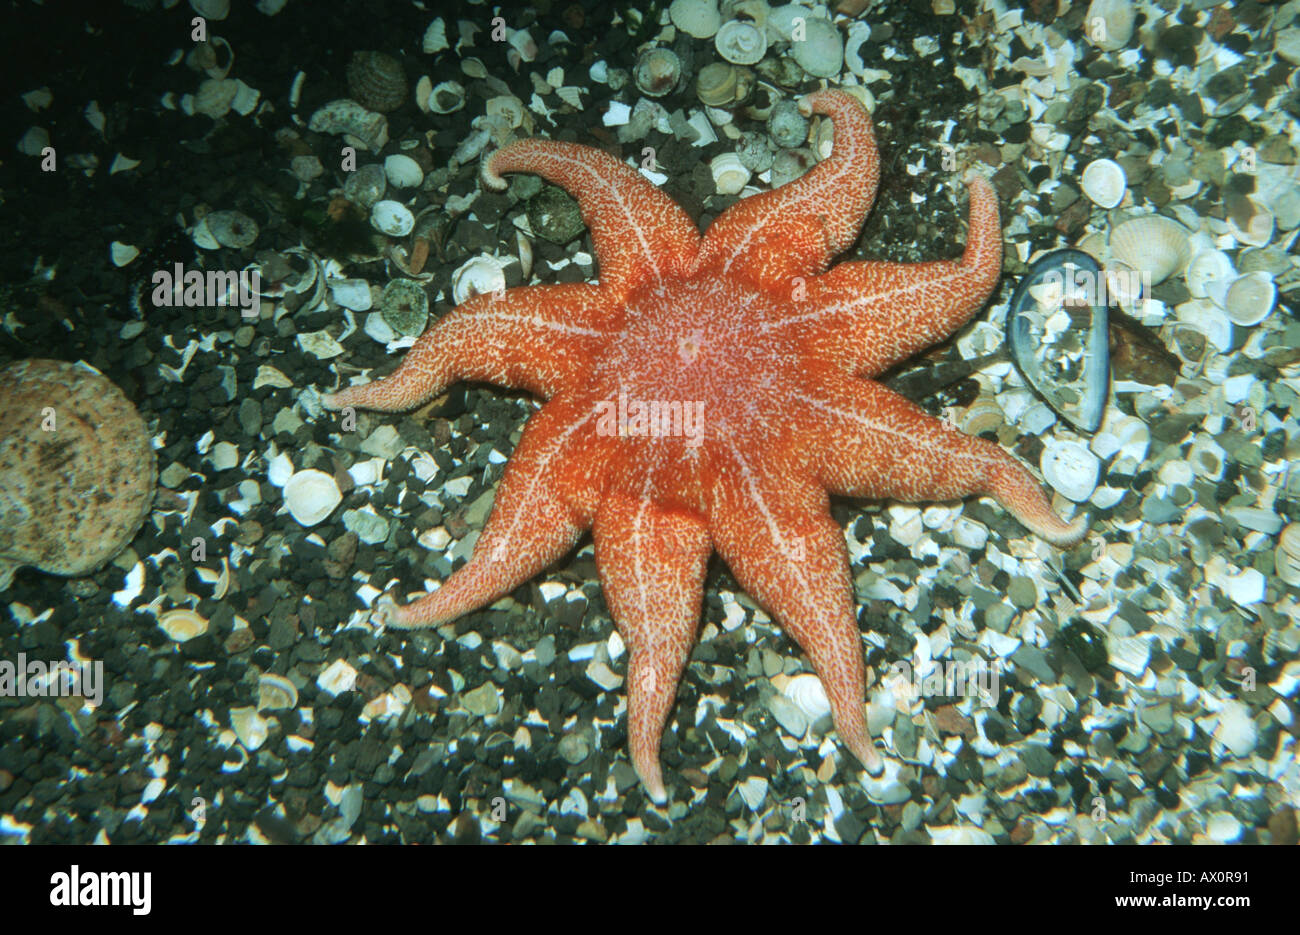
{"x":1068,"y":366}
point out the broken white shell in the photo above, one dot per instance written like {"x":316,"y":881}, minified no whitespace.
{"x":1210,"y":320}
{"x":250,"y":727}
{"x":214,"y":98}
{"x":809,"y":696}
{"x":1129,"y":654}
{"x":214,"y":58}
{"x":211,"y":9}
{"x":1258,"y":230}
{"x":479,"y":275}
{"x":506,"y":109}
{"x":337,"y":678}
{"x":1129,"y":437}
{"x":447,"y":97}
{"x":311,"y":496}
{"x":423,"y":88}
{"x":1207,"y":268}
{"x":352,"y":294}
{"x":983,"y":415}
{"x":1236,"y":730}
{"x":275,"y":692}
{"x":122,"y":253}
{"x":1124,"y":284}
{"x":434,"y":39}
{"x":1104,"y":182}
{"x":358,"y":126}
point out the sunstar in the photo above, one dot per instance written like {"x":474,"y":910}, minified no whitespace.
{"x":779,"y":348}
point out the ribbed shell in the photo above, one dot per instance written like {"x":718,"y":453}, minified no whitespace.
{"x":1152,"y":243}
{"x":376,"y":81}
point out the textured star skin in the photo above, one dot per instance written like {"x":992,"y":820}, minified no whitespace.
{"x":748,"y":323}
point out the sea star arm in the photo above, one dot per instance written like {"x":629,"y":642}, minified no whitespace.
{"x":638,"y":232}
{"x":651,"y":564}
{"x":865,"y":317}
{"x":779,"y":540}
{"x":538,"y":338}
{"x":794,"y":231}
{"x":546,"y":500}
{"x":886,"y":447}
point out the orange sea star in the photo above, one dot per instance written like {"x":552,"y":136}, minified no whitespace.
{"x":707,"y":394}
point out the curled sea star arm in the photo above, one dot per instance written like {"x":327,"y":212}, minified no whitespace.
{"x":652,"y":563}
{"x":867,"y":316}
{"x":638,"y":232}
{"x":779,"y":540}
{"x":889,"y":448}
{"x":777,"y":237}
{"x":546,"y":500}
{"x":538,"y":338}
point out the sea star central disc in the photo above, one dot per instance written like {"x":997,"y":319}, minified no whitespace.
{"x":709,"y":394}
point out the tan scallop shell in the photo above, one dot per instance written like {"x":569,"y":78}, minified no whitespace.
{"x":1151,"y":243}
{"x":77,"y":470}
{"x":182,"y":624}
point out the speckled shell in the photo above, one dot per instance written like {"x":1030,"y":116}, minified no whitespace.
{"x":376,"y":81}
{"x":71,"y":498}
